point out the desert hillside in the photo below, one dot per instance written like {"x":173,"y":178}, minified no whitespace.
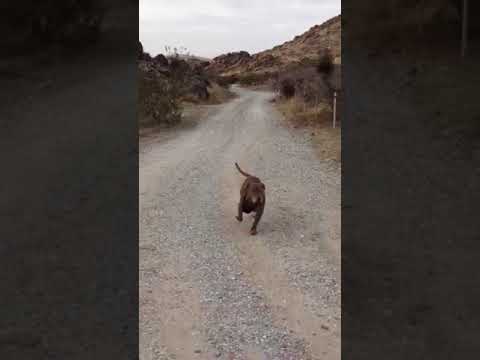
{"x":303,"y":48}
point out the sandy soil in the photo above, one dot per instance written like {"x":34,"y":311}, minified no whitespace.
{"x":208,"y":289}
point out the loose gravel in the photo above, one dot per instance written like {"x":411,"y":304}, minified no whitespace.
{"x":200,"y":267}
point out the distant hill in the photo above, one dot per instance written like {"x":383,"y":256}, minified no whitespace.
{"x":301,"y":49}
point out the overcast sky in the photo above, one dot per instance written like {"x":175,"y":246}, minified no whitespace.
{"x":212,"y":27}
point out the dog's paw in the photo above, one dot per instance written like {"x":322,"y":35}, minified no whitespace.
{"x":238,"y":218}
{"x":253,"y":232}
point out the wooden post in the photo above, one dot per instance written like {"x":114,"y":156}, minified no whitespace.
{"x":334,"y":108}
{"x":464,"y":28}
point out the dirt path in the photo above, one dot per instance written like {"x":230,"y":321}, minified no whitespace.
{"x":208,"y":289}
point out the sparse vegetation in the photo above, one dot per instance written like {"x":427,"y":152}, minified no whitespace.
{"x":304,"y":82}
{"x":251,"y":79}
{"x":318,"y":120}
{"x":325,"y":62}
{"x":287,"y":88}
{"x":168,"y":82}
{"x":305,"y":99}
{"x":218,"y":93}
{"x":160,"y":89}
{"x":301,"y":114}
{"x":159,"y":101}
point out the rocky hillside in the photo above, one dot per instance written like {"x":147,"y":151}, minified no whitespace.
{"x":302,"y":49}
{"x":188,"y":72}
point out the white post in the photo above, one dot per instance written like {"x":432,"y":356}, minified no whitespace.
{"x":464,"y":27}
{"x":334,"y":108}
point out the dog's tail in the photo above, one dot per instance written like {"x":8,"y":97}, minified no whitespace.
{"x":241,"y":171}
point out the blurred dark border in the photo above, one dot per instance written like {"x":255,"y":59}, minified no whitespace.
{"x":69,"y":189}
{"x":410,"y":177}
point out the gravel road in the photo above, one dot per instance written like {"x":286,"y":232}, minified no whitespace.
{"x":209,"y":290}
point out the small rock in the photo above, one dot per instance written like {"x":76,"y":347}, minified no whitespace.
{"x":198,"y":351}
{"x":324,"y":327}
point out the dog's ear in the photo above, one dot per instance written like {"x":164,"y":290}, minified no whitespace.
{"x":263,"y":186}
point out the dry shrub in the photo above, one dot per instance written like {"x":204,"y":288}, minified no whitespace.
{"x":287,"y":88}
{"x":325,"y":62}
{"x":158,"y":101}
{"x":218,"y":94}
{"x":304,"y":82}
{"x":302,"y":114}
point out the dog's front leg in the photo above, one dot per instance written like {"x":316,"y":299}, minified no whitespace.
{"x":258,"y":215}
{"x":239,"y":217}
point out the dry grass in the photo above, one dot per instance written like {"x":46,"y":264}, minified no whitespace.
{"x":219,"y":94}
{"x":318,"y":121}
{"x":300,"y":113}
{"x":327,"y":141}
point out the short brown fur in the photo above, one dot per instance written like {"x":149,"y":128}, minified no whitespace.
{"x":252,"y":198}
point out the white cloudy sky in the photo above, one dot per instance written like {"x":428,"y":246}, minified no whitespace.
{"x":213,"y":27}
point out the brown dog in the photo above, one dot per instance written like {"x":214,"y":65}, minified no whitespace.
{"x":252,"y":198}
